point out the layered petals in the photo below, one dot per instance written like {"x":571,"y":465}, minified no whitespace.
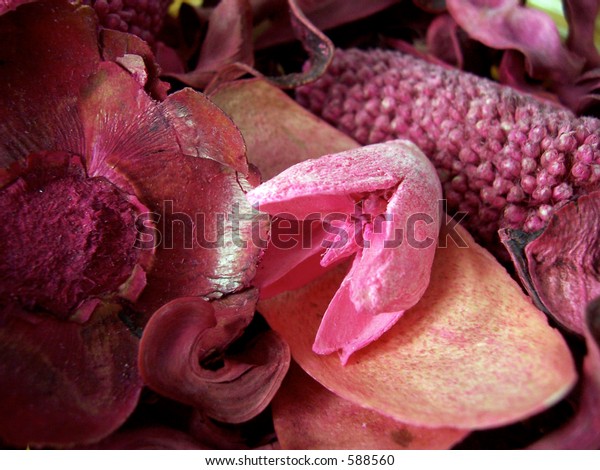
{"x":505,"y":24}
{"x":183,"y":355}
{"x":473,"y":353}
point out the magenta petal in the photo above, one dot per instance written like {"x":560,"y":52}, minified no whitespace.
{"x":397,"y":189}
{"x":505,"y":24}
{"x":183,"y":355}
{"x":64,"y":382}
{"x":345,"y":328}
{"x":563,"y":261}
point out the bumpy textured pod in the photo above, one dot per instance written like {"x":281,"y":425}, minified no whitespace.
{"x":507,"y":159}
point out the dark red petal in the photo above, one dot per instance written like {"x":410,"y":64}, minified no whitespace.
{"x":324,"y":15}
{"x":46,"y":71}
{"x":116,"y":44}
{"x":308,"y":416}
{"x":181,"y":341}
{"x":152,"y":438}
{"x":204,"y":247}
{"x":505,"y":24}
{"x":62,"y":382}
{"x":204,"y":131}
{"x":443,"y":42}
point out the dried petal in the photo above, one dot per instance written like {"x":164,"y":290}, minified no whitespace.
{"x":561,"y":263}
{"x":308,"y":416}
{"x":63,"y":382}
{"x":183,"y":355}
{"x":505,"y":24}
{"x":264,"y":113}
{"x":391,"y":270}
{"x":473,"y":353}
{"x":152,"y":438}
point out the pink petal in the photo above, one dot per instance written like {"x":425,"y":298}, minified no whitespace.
{"x":183,"y":339}
{"x":505,"y":24}
{"x":308,"y":416}
{"x":63,"y":382}
{"x":384,"y":280}
{"x":473,"y":353}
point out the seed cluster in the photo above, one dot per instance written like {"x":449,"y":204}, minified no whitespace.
{"x":144,"y":18}
{"x":506,"y":158}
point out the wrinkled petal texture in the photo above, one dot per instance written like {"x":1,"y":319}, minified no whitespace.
{"x":385,"y":280}
{"x":581,"y":16}
{"x":182,"y":341}
{"x":61,"y":382}
{"x":308,"y":416}
{"x":473,"y":353}
{"x":505,"y":24}
{"x":563,"y":261}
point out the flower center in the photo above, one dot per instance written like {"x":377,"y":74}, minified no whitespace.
{"x":67,"y":241}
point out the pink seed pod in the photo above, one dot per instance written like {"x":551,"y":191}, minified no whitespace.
{"x":471,"y":128}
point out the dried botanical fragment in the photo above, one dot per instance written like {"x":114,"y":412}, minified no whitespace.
{"x":183,"y":355}
{"x":559,"y":267}
{"x":380,"y":202}
{"x":505,"y":158}
{"x":473,"y":353}
{"x":308,"y":416}
{"x":98,"y":233}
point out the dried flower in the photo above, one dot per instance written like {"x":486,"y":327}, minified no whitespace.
{"x":98,"y":172}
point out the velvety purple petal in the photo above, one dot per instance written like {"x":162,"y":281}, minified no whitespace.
{"x":581,"y":16}
{"x":35,"y":118}
{"x":63,"y":382}
{"x":562,"y":261}
{"x":183,"y":355}
{"x":505,"y":24}
{"x":151,"y":438}
{"x":583,"y":430}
